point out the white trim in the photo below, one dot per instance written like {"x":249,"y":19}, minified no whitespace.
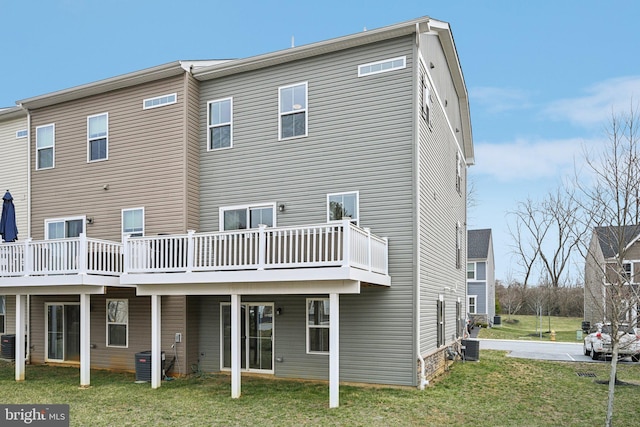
{"x":307,"y":326}
{"x":22,"y":133}
{"x":47,"y":221}
{"x":357,"y":213}
{"x":107,"y":323}
{"x":162,"y":100}
{"x":53,"y":147}
{"x":247,"y":207}
{"x":222,"y":124}
{"x":90,"y":139}
{"x":46,"y":329}
{"x":304,"y":109}
{"x":390,"y":61}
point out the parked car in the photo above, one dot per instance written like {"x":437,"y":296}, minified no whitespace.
{"x":598,"y":343}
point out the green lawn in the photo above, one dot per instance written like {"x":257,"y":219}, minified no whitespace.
{"x":495,"y":391}
{"x":528,"y":328}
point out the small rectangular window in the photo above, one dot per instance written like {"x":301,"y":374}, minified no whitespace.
{"x":318,"y":315}
{"x":45,"y":143}
{"x":293,"y":111}
{"x":220,"y":115}
{"x":159,"y":101}
{"x":97,"y":135}
{"x":472,"y":304}
{"x":458,"y":173}
{"x":382,"y":66}
{"x":426,"y":101}
{"x":117,"y":322}
{"x":342,"y":205}
{"x":133,"y":222}
{"x":471,"y":270}
{"x":245,"y":217}
{"x":22,"y":133}
{"x":3,"y":313}
{"x":61,"y":228}
{"x":458,"y":246}
{"x":441,"y":321}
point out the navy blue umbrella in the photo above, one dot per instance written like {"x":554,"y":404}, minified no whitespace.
{"x":8,"y":227}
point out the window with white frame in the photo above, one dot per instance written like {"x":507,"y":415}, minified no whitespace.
{"x":159,"y":101}
{"x":426,"y":100}
{"x":382,"y":66}
{"x":318,"y":314}
{"x":3,"y":313}
{"x":61,"y":228}
{"x":97,"y":137}
{"x":220,"y":115}
{"x":441,"y":321}
{"x":117,"y":322}
{"x":472,"y":304}
{"x":292,"y":101}
{"x":22,"y":133}
{"x":343,"y":205}
{"x":458,"y":173}
{"x":247,"y":216}
{"x":471,"y":270}
{"x":458,"y":245}
{"x":133,"y":222}
{"x":45,"y":143}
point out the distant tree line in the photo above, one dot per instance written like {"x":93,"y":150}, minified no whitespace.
{"x":516,"y":298}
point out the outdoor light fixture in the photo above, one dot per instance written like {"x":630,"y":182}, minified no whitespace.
{"x":281,"y":207}
{"x":279,"y":311}
{"x":90,"y":220}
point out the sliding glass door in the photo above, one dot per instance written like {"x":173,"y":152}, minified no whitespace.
{"x":256,"y":337}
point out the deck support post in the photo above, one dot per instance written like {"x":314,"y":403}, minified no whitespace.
{"x":21,"y":319}
{"x":85,"y":340}
{"x":334,"y":350}
{"x":236,"y":361}
{"x":156,"y":341}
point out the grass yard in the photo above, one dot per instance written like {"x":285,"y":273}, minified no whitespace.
{"x":528,"y":328}
{"x":495,"y":391}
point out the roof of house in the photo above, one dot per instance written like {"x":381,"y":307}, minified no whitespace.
{"x":609,"y":238}
{"x":478,"y":242}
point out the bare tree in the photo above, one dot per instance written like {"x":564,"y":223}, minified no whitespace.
{"x":610,"y":198}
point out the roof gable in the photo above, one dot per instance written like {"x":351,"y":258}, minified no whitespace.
{"x":610,"y":238}
{"x":478,"y":242}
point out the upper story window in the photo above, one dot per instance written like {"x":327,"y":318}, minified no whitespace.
{"x":22,"y":133}
{"x":458,"y":245}
{"x":426,"y":101}
{"x":133,"y":222}
{"x":471,"y":270}
{"x":343,"y":205}
{"x":159,"y":101}
{"x":61,"y":228}
{"x":458,"y":173}
{"x":382,"y":66}
{"x":45,"y":143}
{"x":97,"y":135}
{"x":627,"y":271}
{"x":220,"y":114}
{"x":248,"y":216}
{"x":292,"y":102}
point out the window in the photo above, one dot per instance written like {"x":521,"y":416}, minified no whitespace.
{"x":426,"y":101}
{"x":440,"y":314}
{"x":318,"y":312}
{"x":342,"y":205}
{"x":117,"y":322}
{"x":133,"y":222}
{"x":45,"y":142}
{"x":459,"y":319}
{"x":382,"y":66}
{"x":22,"y":133}
{"x":473,"y":306}
{"x":97,"y":134}
{"x":159,"y":101}
{"x":3,"y":312}
{"x":458,"y":173}
{"x":458,"y":246}
{"x":293,"y":111}
{"x":244,"y":217}
{"x":626,"y":271}
{"x":471,"y":270}
{"x":220,"y":115}
{"x":63,"y":228}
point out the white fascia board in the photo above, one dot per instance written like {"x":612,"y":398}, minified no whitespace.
{"x":58,"y":280}
{"x":276,"y":288}
{"x":53,"y":290}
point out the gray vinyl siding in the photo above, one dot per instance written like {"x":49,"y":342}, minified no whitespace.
{"x":359,"y":139}
{"x":481,"y":270}
{"x":440,"y":208}
{"x":10,"y":314}
{"x":145,"y":166}
{"x":13,"y":175}
{"x":480,"y":290}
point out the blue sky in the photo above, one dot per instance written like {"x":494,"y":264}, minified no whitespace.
{"x":543,"y":77}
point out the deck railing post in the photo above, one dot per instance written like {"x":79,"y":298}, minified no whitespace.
{"x":369,"y":260}
{"x":346,"y":242}
{"x":386,"y":255}
{"x":262,"y":245}
{"x":28,"y":257}
{"x":191,"y":250}
{"x":126,"y":255}
{"x":83,"y":253}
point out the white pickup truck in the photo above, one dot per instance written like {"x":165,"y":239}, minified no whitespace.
{"x":598,"y":343}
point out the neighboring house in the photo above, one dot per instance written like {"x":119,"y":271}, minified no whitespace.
{"x":13,"y":178}
{"x":299,"y":213}
{"x":602,"y":269}
{"x":481,"y":287}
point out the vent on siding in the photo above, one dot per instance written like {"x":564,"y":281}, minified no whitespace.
{"x":159,"y":101}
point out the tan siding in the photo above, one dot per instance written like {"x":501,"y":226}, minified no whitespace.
{"x":145,"y":166}
{"x":192,"y":121}
{"x":10,"y":314}
{"x":13,"y":174}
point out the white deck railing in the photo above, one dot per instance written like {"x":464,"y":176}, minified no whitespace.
{"x":325,"y":245}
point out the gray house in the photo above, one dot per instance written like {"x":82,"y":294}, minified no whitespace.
{"x":481,"y":284}
{"x":319,"y":230}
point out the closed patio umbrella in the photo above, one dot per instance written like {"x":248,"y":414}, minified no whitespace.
{"x":8,"y":227}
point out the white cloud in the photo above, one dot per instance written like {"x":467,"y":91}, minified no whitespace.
{"x":528,"y":160}
{"x":613,"y":96}
{"x":497,"y":100}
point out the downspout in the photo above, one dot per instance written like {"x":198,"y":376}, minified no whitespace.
{"x":28,"y":313}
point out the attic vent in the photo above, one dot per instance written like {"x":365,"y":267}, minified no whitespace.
{"x":21,"y":133}
{"x":159,"y":101}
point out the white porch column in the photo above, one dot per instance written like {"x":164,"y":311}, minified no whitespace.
{"x":85,"y":339}
{"x":21,"y":320}
{"x":236,"y":361}
{"x":156,"y":351}
{"x":334,"y":350}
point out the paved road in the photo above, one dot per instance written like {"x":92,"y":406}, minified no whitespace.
{"x":545,"y":350}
